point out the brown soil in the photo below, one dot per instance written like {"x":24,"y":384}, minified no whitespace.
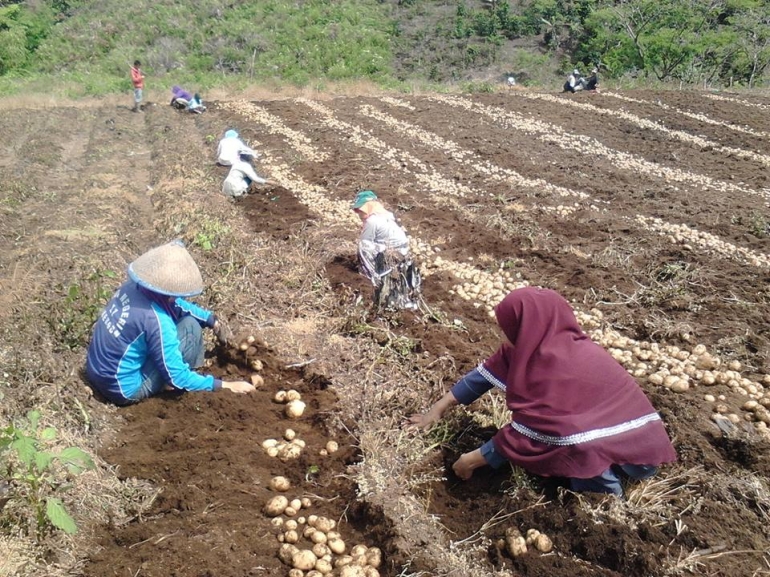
{"x":204,"y":451}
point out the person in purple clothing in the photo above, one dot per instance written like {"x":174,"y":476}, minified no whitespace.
{"x":180,"y":98}
{"x":149,"y":338}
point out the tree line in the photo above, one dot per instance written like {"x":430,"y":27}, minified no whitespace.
{"x":691,"y":41}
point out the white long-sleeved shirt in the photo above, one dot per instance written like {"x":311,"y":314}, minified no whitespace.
{"x":236,"y":183}
{"x":383,"y":230}
{"x":230,"y":149}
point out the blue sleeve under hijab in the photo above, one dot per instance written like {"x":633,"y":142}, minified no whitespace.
{"x":205,"y":317}
{"x":163,"y":348}
{"x":471,"y":387}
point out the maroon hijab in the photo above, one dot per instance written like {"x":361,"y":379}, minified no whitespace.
{"x":561,"y":385}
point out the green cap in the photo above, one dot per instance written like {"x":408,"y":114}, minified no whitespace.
{"x":362,"y":198}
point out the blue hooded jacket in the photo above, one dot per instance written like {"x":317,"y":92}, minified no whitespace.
{"x":135,"y":326}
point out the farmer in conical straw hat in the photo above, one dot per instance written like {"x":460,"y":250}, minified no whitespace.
{"x":149,"y":338}
{"x":383,"y":254}
{"x":576,"y":412}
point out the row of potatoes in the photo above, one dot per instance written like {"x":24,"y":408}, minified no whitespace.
{"x":326,"y":553}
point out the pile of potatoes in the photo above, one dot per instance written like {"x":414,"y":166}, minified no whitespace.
{"x":295,"y":407}
{"x":517,"y":545}
{"x":288,"y":449}
{"x":327,"y":553}
{"x":281,"y":505}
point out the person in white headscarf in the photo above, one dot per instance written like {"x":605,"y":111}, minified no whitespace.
{"x":240,"y":177}
{"x":231,"y":148}
{"x":573,"y":83}
{"x":149,"y":338}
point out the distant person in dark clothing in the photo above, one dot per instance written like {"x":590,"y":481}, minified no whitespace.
{"x":592,"y":82}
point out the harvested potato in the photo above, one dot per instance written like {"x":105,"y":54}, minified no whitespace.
{"x":300,"y":443}
{"x":532,"y":534}
{"x":257,"y":380}
{"x":269,"y":443}
{"x":352,"y":571}
{"x":286,"y":552}
{"x":296,"y":573}
{"x":514,"y":542}
{"x":358,"y":550}
{"x":320,"y":550}
{"x":370,"y":571}
{"x":318,"y":537}
{"x":292,"y":395}
{"x":332,"y":447}
{"x":325,"y":524}
{"x":290,"y":511}
{"x":289,"y":452}
{"x":289,"y":434}
{"x":323,"y":566}
{"x":257,"y":365}
{"x":290,"y":525}
{"x":373,"y":556}
{"x":276,"y":521}
{"x":291,"y":536}
{"x":272,"y":452}
{"x":280,"y":484}
{"x":276,"y":506}
{"x":543,"y":543}
{"x":304,"y":560}
{"x":342,"y":561}
{"x":312,"y":519}
{"x":295,"y":409}
{"x":306,"y":502}
{"x":280,"y":397}
{"x":336,"y":545}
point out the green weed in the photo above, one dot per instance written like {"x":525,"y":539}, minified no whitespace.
{"x":76,"y":312}
{"x":210,"y":234}
{"x":38,"y":474}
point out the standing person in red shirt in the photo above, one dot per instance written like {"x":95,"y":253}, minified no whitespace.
{"x":137,"y":77}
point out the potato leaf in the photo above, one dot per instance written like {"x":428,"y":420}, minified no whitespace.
{"x":76,"y":460}
{"x":58,"y":516}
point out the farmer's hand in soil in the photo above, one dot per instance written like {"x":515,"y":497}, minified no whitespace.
{"x":222,"y":332}
{"x":426,"y":420}
{"x":238,"y":386}
{"x":464,"y":466}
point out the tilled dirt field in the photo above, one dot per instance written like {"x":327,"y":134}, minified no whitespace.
{"x":648,"y":210}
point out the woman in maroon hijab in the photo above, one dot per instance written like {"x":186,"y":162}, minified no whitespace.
{"x":576,"y":412}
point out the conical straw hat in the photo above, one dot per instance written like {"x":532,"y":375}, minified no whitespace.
{"x":167,"y":270}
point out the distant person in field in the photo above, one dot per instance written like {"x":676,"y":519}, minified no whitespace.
{"x":196,"y":105}
{"x":592,"y":82}
{"x":148,"y":338}
{"x":383,"y":255}
{"x":137,"y":79}
{"x":180,"y":98}
{"x":573,"y":83}
{"x":240,"y":177}
{"x":576,"y":412}
{"x":183,"y":100}
{"x":231,"y":149}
